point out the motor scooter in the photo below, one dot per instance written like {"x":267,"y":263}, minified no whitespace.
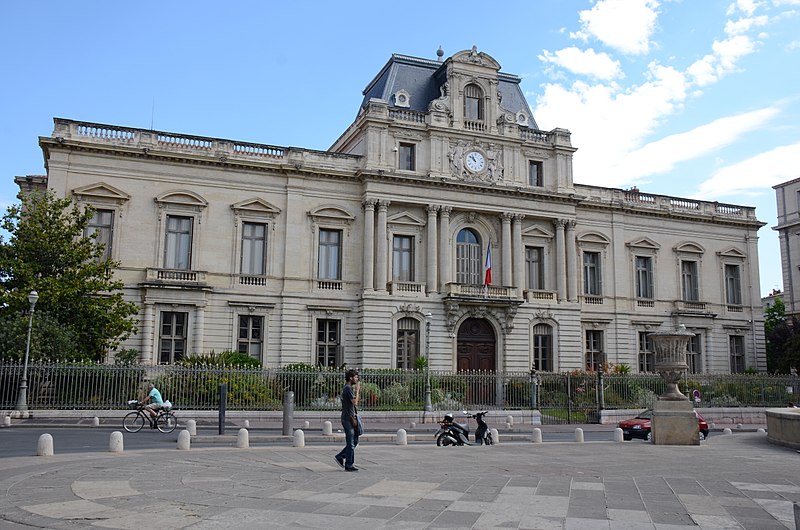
{"x":452,"y":433}
{"x":483,"y":436}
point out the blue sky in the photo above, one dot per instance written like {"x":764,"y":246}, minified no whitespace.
{"x":690,"y":98}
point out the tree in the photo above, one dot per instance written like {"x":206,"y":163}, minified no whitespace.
{"x":783,"y":339}
{"x":49,"y":251}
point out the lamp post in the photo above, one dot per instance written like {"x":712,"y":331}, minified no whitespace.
{"x":428,"y":405}
{"x":22,"y":397}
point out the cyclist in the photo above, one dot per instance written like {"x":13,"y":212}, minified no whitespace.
{"x":153,"y":402}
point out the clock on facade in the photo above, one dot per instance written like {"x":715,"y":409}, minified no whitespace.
{"x":475,"y":161}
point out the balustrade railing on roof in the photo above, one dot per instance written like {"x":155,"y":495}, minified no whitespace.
{"x":535,"y":135}
{"x":103,"y":132}
{"x":407,"y":115}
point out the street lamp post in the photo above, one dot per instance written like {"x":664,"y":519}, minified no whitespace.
{"x":22,"y":397}
{"x":428,"y":405}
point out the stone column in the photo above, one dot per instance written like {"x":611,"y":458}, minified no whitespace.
{"x":380,"y":273}
{"x":505,"y":220}
{"x":431,"y":258}
{"x":369,"y":245}
{"x":561,"y":276}
{"x":572,"y":263}
{"x":519,"y":253}
{"x":445,"y":256}
{"x":146,"y":337}
{"x":199,"y":325}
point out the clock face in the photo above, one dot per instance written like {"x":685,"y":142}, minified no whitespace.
{"x":475,"y":161}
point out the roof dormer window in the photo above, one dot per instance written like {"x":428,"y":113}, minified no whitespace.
{"x":473,"y":103}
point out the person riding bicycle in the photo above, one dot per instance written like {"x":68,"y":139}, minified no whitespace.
{"x":153,"y":402}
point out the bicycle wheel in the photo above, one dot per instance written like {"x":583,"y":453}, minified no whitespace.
{"x":166,"y":422}
{"x":133,"y":422}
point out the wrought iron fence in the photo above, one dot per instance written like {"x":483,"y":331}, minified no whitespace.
{"x":570,"y":397}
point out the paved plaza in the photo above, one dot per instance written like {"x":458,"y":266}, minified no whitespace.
{"x":731,"y":481}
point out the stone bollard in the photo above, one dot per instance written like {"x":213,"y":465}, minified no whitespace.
{"x":402,"y":437}
{"x":327,"y":428}
{"x":299,"y":438}
{"x":508,"y":425}
{"x":115,"y":444}
{"x":184,"y":440}
{"x":95,"y":422}
{"x":45,"y":445}
{"x":243,"y":439}
{"x":413,"y":425}
{"x":191,"y":427}
{"x":579,"y":435}
{"x":246,"y":424}
{"x":6,"y":421}
{"x":618,"y":436}
{"x":761,"y":431}
{"x":306,"y":424}
{"x":536,"y":437}
{"x":510,"y":420}
{"x":739,"y":426}
{"x":712,"y":425}
{"x":727,"y":430}
{"x":495,"y":435}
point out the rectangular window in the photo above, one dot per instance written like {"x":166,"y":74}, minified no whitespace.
{"x":690,"y":291}
{"x":535,"y":173}
{"x":407,"y":157}
{"x":591,"y":274}
{"x":328,"y":343}
{"x":694,"y":355}
{"x":594,"y":350}
{"x":102,"y":226}
{"x":644,"y":277}
{"x":408,"y":346}
{"x":330,"y":254}
{"x":736,"y":347}
{"x":543,"y":347}
{"x":251,"y":336}
{"x":178,"y":247}
{"x":403,"y":259}
{"x":647,"y":355}
{"x":254,"y":248}
{"x":733,"y":286}
{"x":534,"y":267}
{"x":172,"y":337}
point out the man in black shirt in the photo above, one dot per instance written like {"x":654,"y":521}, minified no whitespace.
{"x":350,"y":394}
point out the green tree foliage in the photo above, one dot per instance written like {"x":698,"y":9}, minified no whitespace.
{"x":783,"y":339}
{"x":48,"y":252}
{"x":50,"y":340}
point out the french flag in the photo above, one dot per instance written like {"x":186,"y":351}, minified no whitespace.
{"x":487,"y":279}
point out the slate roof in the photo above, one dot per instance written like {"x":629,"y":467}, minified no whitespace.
{"x":421,"y":78}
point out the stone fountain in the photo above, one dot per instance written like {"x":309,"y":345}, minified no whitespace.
{"x":674,"y":421}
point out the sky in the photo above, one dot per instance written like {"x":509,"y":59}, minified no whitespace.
{"x":687,"y":98}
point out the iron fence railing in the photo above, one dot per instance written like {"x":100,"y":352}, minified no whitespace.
{"x":100,"y":386}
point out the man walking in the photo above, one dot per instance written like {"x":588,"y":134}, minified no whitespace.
{"x":350,"y":394}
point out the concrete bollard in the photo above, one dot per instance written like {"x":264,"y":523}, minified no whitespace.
{"x":243,"y":439}
{"x":618,"y":436}
{"x":761,"y":431}
{"x":95,"y":422}
{"x":739,"y":426}
{"x":712,"y":425}
{"x":510,"y":420}
{"x":299,"y":438}
{"x":536,"y":437}
{"x":115,"y":443}
{"x":508,"y":425}
{"x":246,"y":424}
{"x":184,"y":441}
{"x":6,"y":421}
{"x":191,"y":427}
{"x":306,"y":424}
{"x":727,"y":430}
{"x":402,"y":437}
{"x":413,"y":425}
{"x":579,"y":435}
{"x":45,"y":445}
{"x":495,"y":435}
{"x":327,"y":428}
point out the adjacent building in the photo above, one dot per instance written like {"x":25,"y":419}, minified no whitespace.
{"x":788,"y":228}
{"x":443,"y":223}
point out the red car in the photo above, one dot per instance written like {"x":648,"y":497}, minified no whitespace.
{"x":639,"y":427}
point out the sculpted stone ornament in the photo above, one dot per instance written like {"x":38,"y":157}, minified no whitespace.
{"x":441,"y":103}
{"x":670,"y":347}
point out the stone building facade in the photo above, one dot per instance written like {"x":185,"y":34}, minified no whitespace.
{"x":787,"y":195}
{"x":375,"y":252}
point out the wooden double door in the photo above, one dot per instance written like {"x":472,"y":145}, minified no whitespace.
{"x":477,"y":351}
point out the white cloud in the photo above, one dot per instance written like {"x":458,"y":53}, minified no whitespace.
{"x":625,"y":25}
{"x":711,"y":68}
{"x":765,"y":169}
{"x":747,"y":7}
{"x":743,"y":25}
{"x":584,"y":62}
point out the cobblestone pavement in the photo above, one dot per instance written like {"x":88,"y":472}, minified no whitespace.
{"x":732,"y":481}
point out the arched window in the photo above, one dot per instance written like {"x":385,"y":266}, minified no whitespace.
{"x":407,"y":343}
{"x":543,"y":347}
{"x":468,"y":257}
{"x":473,"y":103}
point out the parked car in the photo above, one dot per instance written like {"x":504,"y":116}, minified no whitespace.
{"x":639,"y":427}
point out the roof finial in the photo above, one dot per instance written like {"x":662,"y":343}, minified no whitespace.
{"x":440,"y":53}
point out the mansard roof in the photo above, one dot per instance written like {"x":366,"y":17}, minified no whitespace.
{"x":421,"y":79}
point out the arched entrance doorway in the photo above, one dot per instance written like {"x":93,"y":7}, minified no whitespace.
{"x":476,"y":351}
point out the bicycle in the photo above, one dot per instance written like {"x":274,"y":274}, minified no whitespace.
{"x":165,"y":421}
